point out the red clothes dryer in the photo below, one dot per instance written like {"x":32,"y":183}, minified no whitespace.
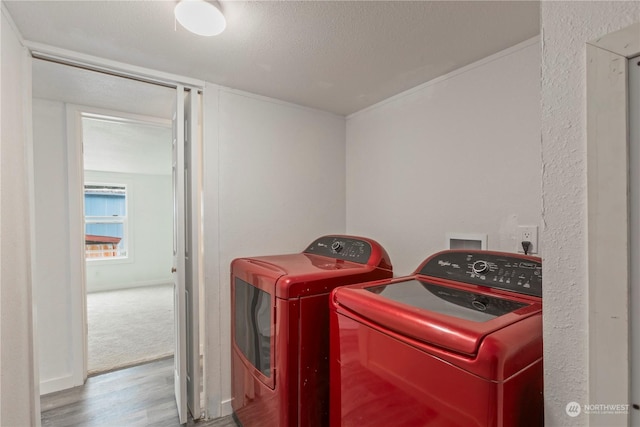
{"x":458,"y":343}
{"x":280,"y":328}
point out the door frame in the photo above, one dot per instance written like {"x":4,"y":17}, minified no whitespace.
{"x":93,"y":63}
{"x":608,"y":219}
{"x":634,"y":176}
{"x":76,"y":224}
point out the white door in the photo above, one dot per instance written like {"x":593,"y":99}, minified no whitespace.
{"x":634,"y":167}
{"x":186,"y":252}
{"x":178,"y":269}
{"x":192,"y":248}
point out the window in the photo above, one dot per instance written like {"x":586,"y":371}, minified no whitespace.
{"x":105,"y":215}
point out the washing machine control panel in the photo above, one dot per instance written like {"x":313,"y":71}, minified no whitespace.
{"x":504,"y":271}
{"x":340,"y":247}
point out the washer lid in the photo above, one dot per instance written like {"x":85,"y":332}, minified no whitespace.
{"x":449,"y":316}
{"x":459,"y":303}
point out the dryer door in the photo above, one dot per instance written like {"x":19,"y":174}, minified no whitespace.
{"x":253,"y":317}
{"x":253,"y":331}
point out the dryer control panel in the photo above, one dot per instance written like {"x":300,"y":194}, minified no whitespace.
{"x":341,"y":247}
{"x":510,"y":272}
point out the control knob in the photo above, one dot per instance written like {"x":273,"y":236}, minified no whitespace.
{"x":480,"y":304}
{"x":480,"y":267}
{"x":337,"y":246}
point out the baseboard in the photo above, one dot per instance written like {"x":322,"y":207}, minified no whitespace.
{"x":118,"y":286}
{"x":57,"y":384}
{"x":225,"y":408}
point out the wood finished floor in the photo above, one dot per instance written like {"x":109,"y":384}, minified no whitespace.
{"x":137,"y":396}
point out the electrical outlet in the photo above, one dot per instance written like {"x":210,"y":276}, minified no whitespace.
{"x":528,"y":233}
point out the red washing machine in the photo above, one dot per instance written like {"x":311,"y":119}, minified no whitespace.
{"x":458,"y":343}
{"x":280,"y":328}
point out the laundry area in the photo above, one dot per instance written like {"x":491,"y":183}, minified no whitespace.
{"x":382,"y":213}
{"x":328,"y":337}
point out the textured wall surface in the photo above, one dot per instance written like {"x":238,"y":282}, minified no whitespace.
{"x":566,"y":27}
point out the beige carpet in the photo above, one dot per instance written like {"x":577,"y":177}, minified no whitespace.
{"x":130,"y":326}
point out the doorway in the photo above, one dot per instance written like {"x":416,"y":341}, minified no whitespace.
{"x":128,"y":222}
{"x":62,"y":94}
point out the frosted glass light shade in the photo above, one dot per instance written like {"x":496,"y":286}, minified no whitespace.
{"x":200,"y":17}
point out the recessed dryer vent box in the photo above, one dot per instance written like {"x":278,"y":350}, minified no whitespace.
{"x":476,"y":241}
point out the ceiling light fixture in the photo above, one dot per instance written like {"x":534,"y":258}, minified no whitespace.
{"x":200,"y":17}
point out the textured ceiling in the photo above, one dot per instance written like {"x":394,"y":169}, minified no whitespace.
{"x":338,"y":56}
{"x":89,"y":88}
{"x":126,"y":147}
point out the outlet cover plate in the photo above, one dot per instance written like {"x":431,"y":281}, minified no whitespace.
{"x":527,"y":233}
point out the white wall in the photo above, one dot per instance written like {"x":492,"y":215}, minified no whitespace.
{"x":17,"y":394}
{"x":52,"y":271}
{"x":566,"y":27}
{"x":282,"y":173}
{"x":150,"y":249}
{"x":281,"y":185}
{"x":458,"y":154}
